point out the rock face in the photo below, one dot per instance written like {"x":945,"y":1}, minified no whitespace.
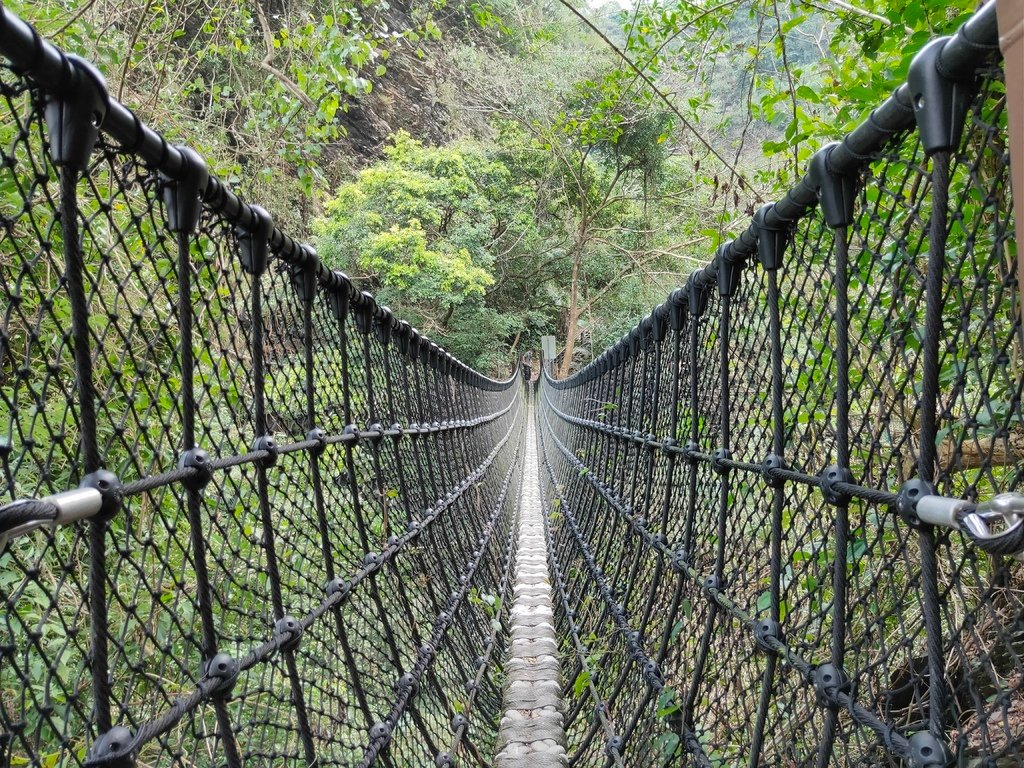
{"x":532,"y":732}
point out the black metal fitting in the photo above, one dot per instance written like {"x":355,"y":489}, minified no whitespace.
{"x":288,"y":633}
{"x":338,"y":586}
{"x":773,"y":461}
{"x":385,"y":325}
{"x":718,"y":459}
{"x":444,"y":760}
{"x":772,"y":242}
{"x":659,"y":324}
{"x":691,"y":449}
{"x":459,"y":721}
{"x":696,"y":296}
{"x":183,"y":197}
{"x":375,"y":433}
{"x":730,"y":268}
{"x":371,"y":559}
{"x":407,"y":682}
{"x":402,"y":336}
{"x":927,"y":751}
{"x":837,"y":192}
{"x":320,"y":437}
{"x":364,"y":312}
{"x":766,"y":630}
{"x":714,"y":584}
{"x":199,"y":460}
{"x":225,"y":668}
{"x":350,"y":434}
{"x":109,"y":486}
{"x":74,"y":116}
{"x":254,"y":243}
{"x":113,"y":742}
{"x":652,"y":674}
{"x":646,"y":326}
{"x":380,"y":731}
{"x":304,"y":274}
{"x":940,"y":102}
{"x":635,"y":341}
{"x":395,"y":432}
{"x":269,"y":445}
{"x":677,"y":301}
{"x":614,"y":746}
{"x":906,"y":500}
{"x":340,"y":297}
{"x":414,"y":343}
{"x":829,"y":680}
{"x":831,"y":475}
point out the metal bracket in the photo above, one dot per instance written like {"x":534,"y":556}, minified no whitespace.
{"x":364,"y":312}
{"x":111,"y":743}
{"x":74,"y":116}
{"x":829,"y":680}
{"x":288,"y":630}
{"x":254,"y":243}
{"x":304,"y":274}
{"x":829,"y":477}
{"x":339,"y":297}
{"x":773,"y":461}
{"x":268,"y":444}
{"x":772,"y":242}
{"x":926,"y":751}
{"x":199,"y":460}
{"x":730,"y":269}
{"x":677,"y":301}
{"x":909,"y":494}
{"x":109,"y":486}
{"x":226,"y":668}
{"x":940,"y":102}
{"x":766,"y":630}
{"x":183,"y":197}
{"x":696,"y":296}
{"x":718,"y":459}
{"x":385,"y":326}
{"x":836,"y":192}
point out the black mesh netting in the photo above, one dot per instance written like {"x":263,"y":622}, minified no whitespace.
{"x":720,"y":599}
{"x":248,"y":517}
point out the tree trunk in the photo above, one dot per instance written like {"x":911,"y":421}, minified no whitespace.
{"x":573,"y":319}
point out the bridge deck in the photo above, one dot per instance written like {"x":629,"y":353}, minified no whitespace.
{"x":532,"y":732}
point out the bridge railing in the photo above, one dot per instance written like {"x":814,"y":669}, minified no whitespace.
{"x":247,"y":516}
{"x":775,"y":507}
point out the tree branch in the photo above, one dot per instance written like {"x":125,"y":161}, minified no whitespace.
{"x":661,"y":94}
{"x":267,"y":64}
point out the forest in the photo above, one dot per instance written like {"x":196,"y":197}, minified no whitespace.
{"x":302,"y":436}
{"x":495,"y":172}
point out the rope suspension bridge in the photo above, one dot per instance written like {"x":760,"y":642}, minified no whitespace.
{"x":251,"y":517}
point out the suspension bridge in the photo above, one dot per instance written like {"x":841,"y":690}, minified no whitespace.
{"x":248,"y":516}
